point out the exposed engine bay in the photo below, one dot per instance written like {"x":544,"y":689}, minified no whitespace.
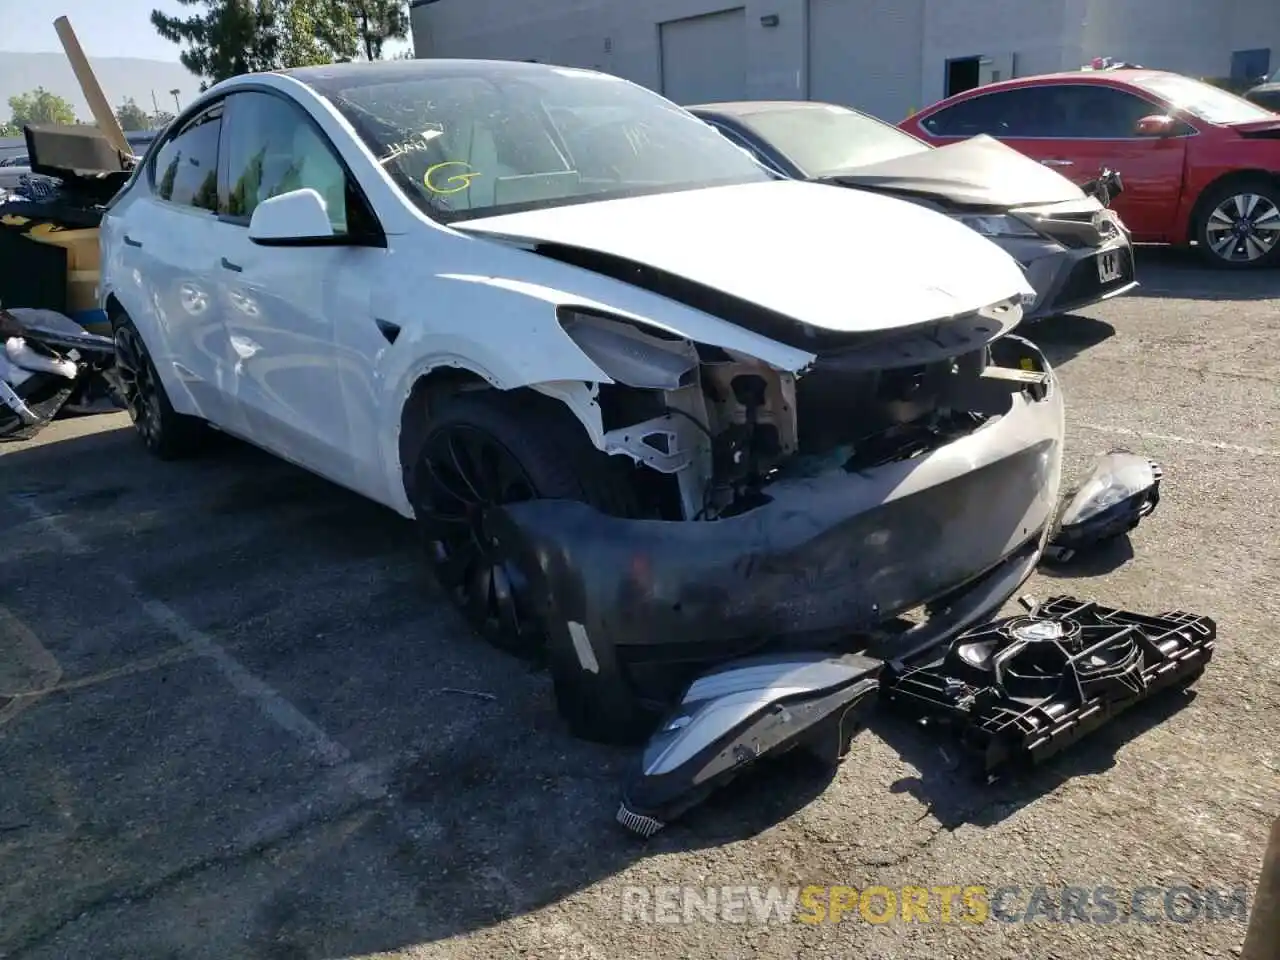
{"x":726,"y":427}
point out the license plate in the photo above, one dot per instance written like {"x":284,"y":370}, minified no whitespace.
{"x":1109,"y":266}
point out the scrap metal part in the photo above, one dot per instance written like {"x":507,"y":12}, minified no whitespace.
{"x":47,"y":364}
{"x":1020,"y":689}
{"x":740,"y":713}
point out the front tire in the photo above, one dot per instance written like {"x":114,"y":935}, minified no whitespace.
{"x":487,"y":449}
{"x":1238,"y":227}
{"x":165,"y":433}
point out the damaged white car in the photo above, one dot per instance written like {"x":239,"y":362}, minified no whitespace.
{"x":654,"y":408}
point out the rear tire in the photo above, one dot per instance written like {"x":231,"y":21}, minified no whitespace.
{"x":1238,"y":224}
{"x":167,"y":434}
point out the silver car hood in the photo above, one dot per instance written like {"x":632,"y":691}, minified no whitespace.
{"x":981,"y":171}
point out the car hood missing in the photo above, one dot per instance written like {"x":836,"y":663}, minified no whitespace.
{"x":980,"y":172}
{"x":840,"y":261}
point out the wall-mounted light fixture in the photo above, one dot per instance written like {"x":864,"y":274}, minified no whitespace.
{"x":608,"y":44}
{"x":769,"y":20}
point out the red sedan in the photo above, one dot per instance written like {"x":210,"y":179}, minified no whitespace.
{"x":1198,"y":163}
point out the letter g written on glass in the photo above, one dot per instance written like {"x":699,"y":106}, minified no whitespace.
{"x":446,"y":177}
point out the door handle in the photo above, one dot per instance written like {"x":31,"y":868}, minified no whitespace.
{"x":1056,"y":162}
{"x":130,"y":242}
{"x":228,"y":265}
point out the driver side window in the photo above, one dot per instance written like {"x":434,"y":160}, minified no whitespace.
{"x":272,"y":148}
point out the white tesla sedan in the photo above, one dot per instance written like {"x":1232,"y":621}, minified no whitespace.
{"x":651,"y":405}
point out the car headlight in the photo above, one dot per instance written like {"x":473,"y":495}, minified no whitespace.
{"x":628,"y":354}
{"x":996,"y":225}
{"x":1120,"y":476}
{"x":1122,"y":490}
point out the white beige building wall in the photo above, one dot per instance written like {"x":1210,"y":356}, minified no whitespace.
{"x":885,"y":56}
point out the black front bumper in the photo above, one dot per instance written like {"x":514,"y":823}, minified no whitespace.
{"x":635,"y":609}
{"x":1083,"y":284}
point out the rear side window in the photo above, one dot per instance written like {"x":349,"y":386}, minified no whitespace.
{"x":987,"y":114}
{"x":1021,"y":112}
{"x":1064,"y":111}
{"x":185,"y":169}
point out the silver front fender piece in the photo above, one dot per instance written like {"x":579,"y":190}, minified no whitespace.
{"x":741,"y":712}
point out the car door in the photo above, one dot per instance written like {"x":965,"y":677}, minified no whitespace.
{"x":167,"y":244}
{"x":1078,"y":128}
{"x":287,"y":309}
{"x":1081,"y":128}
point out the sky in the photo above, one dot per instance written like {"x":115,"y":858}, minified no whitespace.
{"x":106,"y":28}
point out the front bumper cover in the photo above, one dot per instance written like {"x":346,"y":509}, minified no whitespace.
{"x":636,"y":609}
{"x":1062,"y":264}
{"x":1067,"y":279}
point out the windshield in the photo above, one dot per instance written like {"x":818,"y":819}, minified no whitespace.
{"x":472,"y":143}
{"x":826,"y":139}
{"x":1203,"y":100}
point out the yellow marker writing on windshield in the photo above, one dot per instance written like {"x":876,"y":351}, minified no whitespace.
{"x":463,"y":180}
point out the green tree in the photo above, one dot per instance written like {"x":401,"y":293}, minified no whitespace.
{"x":378,"y":21}
{"x":132,"y":116}
{"x":9,"y":130}
{"x":230,"y":37}
{"x":40,"y":106}
{"x":317,"y":31}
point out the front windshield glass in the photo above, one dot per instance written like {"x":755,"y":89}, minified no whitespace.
{"x":1203,"y":100}
{"x":824,"y":140}
{"x":472,"y":143}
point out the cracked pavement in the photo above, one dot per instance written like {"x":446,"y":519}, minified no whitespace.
{"x":236,"y":720}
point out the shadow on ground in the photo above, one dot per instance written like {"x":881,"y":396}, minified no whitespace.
{"x":1096,"y":561}
{"x":1064,"y":337}
{"x":488,"y":810}
{"x":1180,"y":273}
{"x":955,"y":791}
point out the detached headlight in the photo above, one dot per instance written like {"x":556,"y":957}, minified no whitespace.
{"x":997,"y":225}
{"x":1122,"y":489}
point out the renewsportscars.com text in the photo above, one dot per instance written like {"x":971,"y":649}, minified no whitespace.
{"x":968,"y":904}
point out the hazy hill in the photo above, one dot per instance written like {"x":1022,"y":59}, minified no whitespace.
{"x":121,"y":77}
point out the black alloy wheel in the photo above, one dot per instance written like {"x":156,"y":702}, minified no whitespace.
{"x":165,"y":433}
{"x":464,"y":473}
{"x":138,"y":385}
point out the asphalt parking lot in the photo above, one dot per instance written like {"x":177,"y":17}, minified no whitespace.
{"x":237,"y":721}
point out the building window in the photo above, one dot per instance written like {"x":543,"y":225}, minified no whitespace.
{"x":1250,"y":66}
